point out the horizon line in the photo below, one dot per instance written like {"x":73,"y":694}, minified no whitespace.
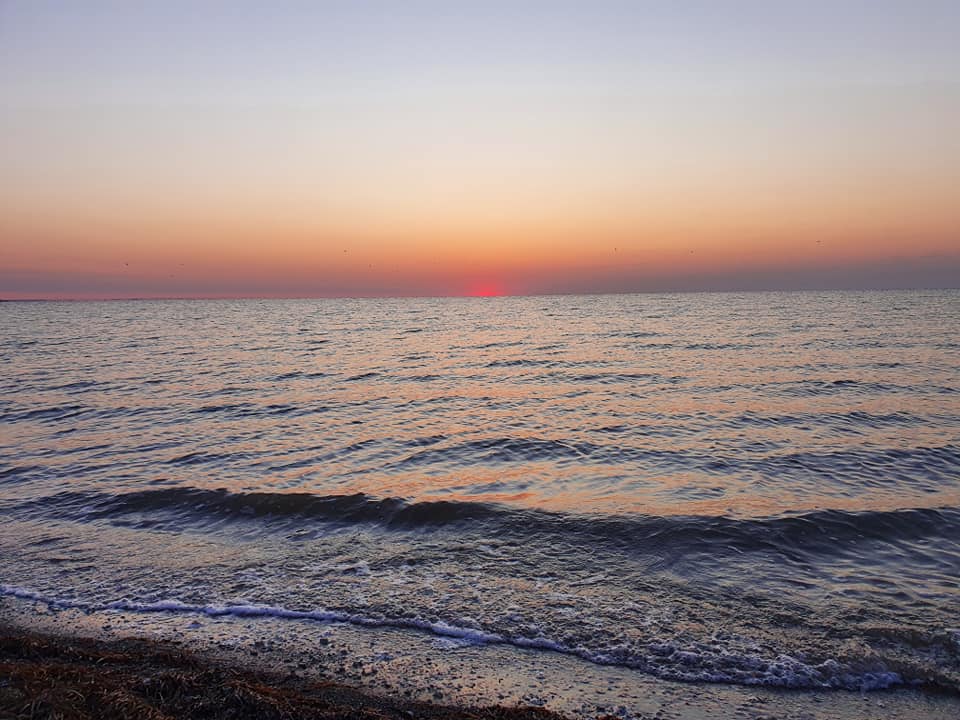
{"x":200,"y":298}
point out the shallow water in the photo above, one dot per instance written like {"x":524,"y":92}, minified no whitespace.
{"x":756,"y":489}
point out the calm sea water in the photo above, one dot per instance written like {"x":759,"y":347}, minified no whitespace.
{"x":757,"y":488}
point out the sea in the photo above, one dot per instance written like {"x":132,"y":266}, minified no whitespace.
{"x":757,"y":490}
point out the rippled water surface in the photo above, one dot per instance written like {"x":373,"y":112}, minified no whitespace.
{"x":758,"y":488}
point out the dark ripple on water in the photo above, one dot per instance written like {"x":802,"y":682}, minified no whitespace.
{"x":749,"y":488}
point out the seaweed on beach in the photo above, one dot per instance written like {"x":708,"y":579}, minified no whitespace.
{"x":52,"y":678}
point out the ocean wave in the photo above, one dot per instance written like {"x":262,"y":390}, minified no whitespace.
{"x":51,"y":414}
{"x":300,"y":375}
{"x":854,"y":467}
{"x":815,"y":532}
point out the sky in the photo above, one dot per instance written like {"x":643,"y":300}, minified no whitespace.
{"x":288,"y":149}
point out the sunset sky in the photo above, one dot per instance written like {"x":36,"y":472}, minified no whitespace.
{"x":420,"y":148}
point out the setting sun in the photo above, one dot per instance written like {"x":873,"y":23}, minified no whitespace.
{"x":486,"y":289}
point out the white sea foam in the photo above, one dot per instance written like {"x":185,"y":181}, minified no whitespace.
{"x":663,"y":659}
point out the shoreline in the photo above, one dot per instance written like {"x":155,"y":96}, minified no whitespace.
{"x":84,"y":660}
{"x":45,"y":675}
